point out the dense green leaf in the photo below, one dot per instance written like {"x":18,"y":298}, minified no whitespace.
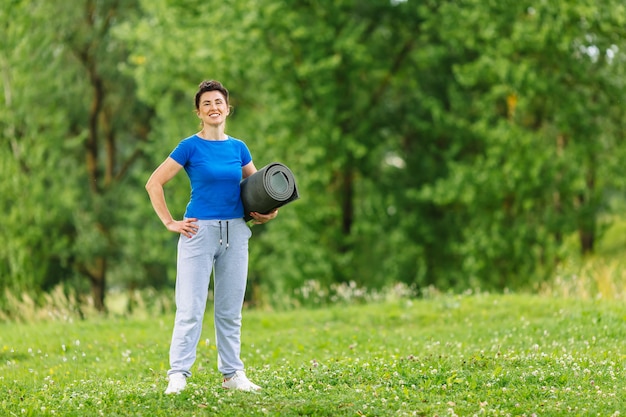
{"x":446,"y":143}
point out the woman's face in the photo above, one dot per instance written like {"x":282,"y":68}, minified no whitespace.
{"x":213,"y":108}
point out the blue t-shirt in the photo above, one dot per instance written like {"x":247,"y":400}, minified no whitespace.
{"x":214,"y":170}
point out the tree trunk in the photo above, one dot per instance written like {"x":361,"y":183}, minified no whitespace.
{"x":586,"y":225}
{"x":96,"y":272}
{"x":588,"y":205}
{"x":98,"y":283}
{"x":347,"y":202}
{"x":587,"y":240}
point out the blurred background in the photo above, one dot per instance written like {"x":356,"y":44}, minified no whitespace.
{"x":438,"y":145}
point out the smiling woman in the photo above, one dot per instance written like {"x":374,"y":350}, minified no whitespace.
{"x":212,"y":108}
{"x":213,"y":239}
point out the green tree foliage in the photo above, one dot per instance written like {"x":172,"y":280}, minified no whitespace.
{"x":527,"y":87}
{"x":37,"y":178}
{"x":114,"y":126}
{"x":442,"y":143}
{"x":75,"y":130}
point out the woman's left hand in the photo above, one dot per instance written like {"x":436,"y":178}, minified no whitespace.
{"x":263,"y":218}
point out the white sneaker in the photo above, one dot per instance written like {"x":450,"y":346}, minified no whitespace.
{"x":241,"y":382}
{"x":177,"y":383}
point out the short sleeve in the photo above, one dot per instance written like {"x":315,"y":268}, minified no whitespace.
{"x":181,"y":153}
{"x":246,"y":157}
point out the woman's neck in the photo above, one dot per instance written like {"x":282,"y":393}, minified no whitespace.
{"x":212,"y":133}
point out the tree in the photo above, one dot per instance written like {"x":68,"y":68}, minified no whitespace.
{"x":99,"y":126}
{"x":522,"y":100}
{"x":455,"y":144}
{"x":36,"y":224}
{"x":428,"y":149}
{"x":115,"y":126}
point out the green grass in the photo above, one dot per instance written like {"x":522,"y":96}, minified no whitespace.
{"x":490,"y":355}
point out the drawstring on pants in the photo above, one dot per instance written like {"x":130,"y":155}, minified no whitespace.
{"x":226,"y":233}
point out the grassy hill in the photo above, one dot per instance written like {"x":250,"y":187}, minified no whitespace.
{"x":447,"y":355}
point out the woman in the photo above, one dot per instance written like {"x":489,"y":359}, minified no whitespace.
{"x":214,"y":237}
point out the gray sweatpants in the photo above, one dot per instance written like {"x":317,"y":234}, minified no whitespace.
{"x":220,"y":246}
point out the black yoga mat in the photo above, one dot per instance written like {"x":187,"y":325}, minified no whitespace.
{"x":270,"y":187}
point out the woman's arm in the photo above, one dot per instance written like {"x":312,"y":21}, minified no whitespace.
{"x":163,"y":174}
{"x":248,"y":169}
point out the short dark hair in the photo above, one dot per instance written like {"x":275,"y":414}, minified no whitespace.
{"x":211,"y":85}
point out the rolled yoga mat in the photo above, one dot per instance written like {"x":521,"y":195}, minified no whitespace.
{"x":270,"y":187}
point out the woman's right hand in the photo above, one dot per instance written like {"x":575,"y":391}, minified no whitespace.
{"x":187,"y":227}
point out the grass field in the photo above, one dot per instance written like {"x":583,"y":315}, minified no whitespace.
{"x":492,"y":355}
